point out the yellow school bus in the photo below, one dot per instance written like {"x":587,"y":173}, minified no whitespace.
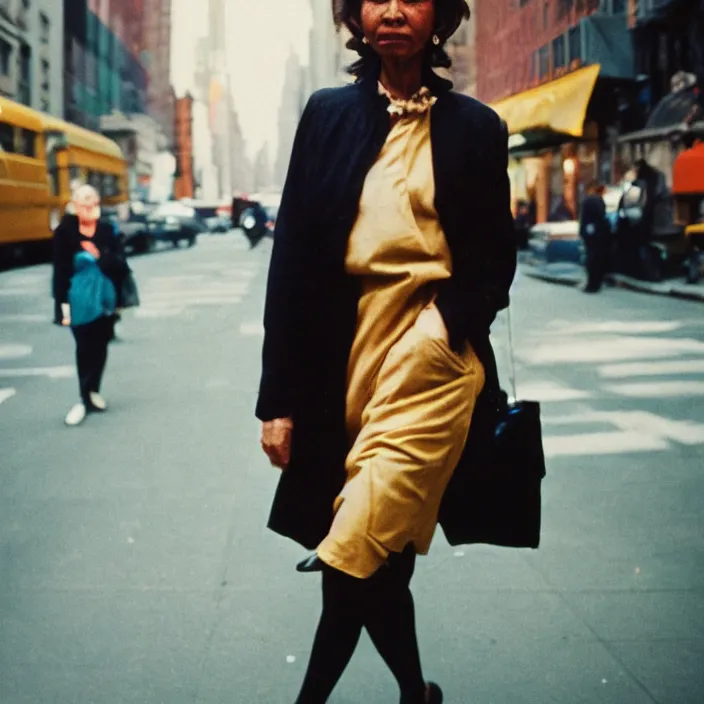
{"x":24,"y":191}
{"x":42,"y":159}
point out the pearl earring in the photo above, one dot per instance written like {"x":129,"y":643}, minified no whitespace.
{"x":436,"y":39}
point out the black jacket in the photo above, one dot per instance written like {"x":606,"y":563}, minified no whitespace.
{"x":311,"y":302}
{"x":592,"y":218}
{"x":67,"y":243}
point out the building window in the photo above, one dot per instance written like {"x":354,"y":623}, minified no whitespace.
{"x":559,"y":57}
{"x":544,"y":61}
{"x":46,"y":75}
{"x":23,"y":14}
{"x":44,"y":29}
{"x":575,"y":41}
{"x":7,"y":137}
{"x":25,"y":77}
{"x":564,"y":8}
{"x":5,"y":57}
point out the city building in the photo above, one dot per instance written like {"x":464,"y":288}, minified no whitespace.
{"x":293,"y":100}
{"x":184,"y":186}
{"x":155,"y":56}
{"x":561,"y":74}
{"x":31,"y":65}
{"x":462,"y":50}
{"x":144,"y":143}
{"x":668,"y":39}
{"x":102,"y":74}
{"x":324,"y":48}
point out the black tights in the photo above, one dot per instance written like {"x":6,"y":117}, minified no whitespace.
{"x":382,"y":604}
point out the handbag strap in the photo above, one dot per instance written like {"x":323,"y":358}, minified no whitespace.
{"x":511,"y":354}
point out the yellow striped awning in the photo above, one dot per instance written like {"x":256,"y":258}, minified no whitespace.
{"x":560,"y":105}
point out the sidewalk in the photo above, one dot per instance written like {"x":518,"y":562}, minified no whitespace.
{"x":570,"y":274}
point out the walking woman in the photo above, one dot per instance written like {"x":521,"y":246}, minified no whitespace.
{"x":393,"y":252}
{"x":89,"y":268}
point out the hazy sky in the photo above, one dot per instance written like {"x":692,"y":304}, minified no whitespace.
{"x":260,"y":35}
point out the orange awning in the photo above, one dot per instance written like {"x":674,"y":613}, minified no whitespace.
{"x":688,"y":171}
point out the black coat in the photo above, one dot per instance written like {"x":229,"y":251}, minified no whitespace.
{"x":311,"y":302}
{"x":592,"y":218}
{"x":67,"y":243}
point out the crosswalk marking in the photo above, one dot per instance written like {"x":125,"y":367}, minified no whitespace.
{"x":548,"y":391}
{"x":634,"y":431}
{"x":252,"y":329}
{"x":27,"y":318}
{"x":15,"y":351}
{"x":6,"y":394}
{"x":607,"y":349}
{"x":61,"y":372}
{"x":606,"y":443}
{"x":171,"y":296}
{"x":619,"y":371}
{"x":659,"y":389}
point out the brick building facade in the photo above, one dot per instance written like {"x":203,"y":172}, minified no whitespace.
{"x":521,"y":43}
{"x":184,"y":186}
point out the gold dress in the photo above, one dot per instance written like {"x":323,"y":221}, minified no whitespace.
{"x":409,"y":397}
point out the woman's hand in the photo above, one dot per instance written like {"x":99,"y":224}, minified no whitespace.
{"x":276,"y":441}
{"x":91,"y":249}
{"x":431,"y":324}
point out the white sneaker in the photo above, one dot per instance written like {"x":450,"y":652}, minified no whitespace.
{"x":98,"y":401}
{"x":76,"y":415}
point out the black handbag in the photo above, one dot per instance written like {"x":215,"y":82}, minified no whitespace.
{"x":129,"y":293}
{"x":494,"y":496}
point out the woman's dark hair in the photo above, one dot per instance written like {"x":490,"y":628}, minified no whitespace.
{"x":448,"y":17}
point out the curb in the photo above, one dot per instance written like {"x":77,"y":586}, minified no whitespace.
{"x":619,"y":281}
{"x":663,"y":290}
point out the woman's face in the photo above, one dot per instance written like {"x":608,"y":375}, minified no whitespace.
{"x":398,"y":28}
{"x":88,"y":209}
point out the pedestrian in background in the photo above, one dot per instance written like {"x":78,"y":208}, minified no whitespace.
{"x":594,"y":229}
{"x":86,"y":287}
{"x":394,"y":249}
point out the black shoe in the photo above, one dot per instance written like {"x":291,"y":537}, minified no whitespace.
{"x":312,"y":563}
{"x":434,"y":693}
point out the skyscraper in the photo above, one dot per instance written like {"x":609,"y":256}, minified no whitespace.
{"x":218,"y":98}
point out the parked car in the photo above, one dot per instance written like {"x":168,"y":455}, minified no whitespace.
{"x":174,"y":222}
{"x":134,"y":229}
{"x":218,"y":224}
{"x":556,"y":241}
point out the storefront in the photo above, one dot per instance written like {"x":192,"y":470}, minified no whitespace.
{"x":554,"y":147}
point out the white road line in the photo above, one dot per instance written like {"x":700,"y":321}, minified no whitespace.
{"x":28,"y":318}
{"x":658,"y":389}
{"x":21,"y":292}
{"x":607,"y":443}
{"x":149,"y":313}
{"x":63,"y":372}
{"x":621,"y":327}
{"x":200,"y":292}
{"x":15,"y":351}
{"x":6,"y":394}
{"x":252,"y":329}
{"x":686,"y":432}
{"x":608,"y":349}
{"x":548,"y":391}
{"x":621,"y":371}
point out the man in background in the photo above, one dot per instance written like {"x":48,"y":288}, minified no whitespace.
{"x":594,"y":230}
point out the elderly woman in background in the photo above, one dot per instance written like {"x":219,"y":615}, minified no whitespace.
{"x":84,"y":292}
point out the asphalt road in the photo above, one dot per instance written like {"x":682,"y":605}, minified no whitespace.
{"x":135,"y":565}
